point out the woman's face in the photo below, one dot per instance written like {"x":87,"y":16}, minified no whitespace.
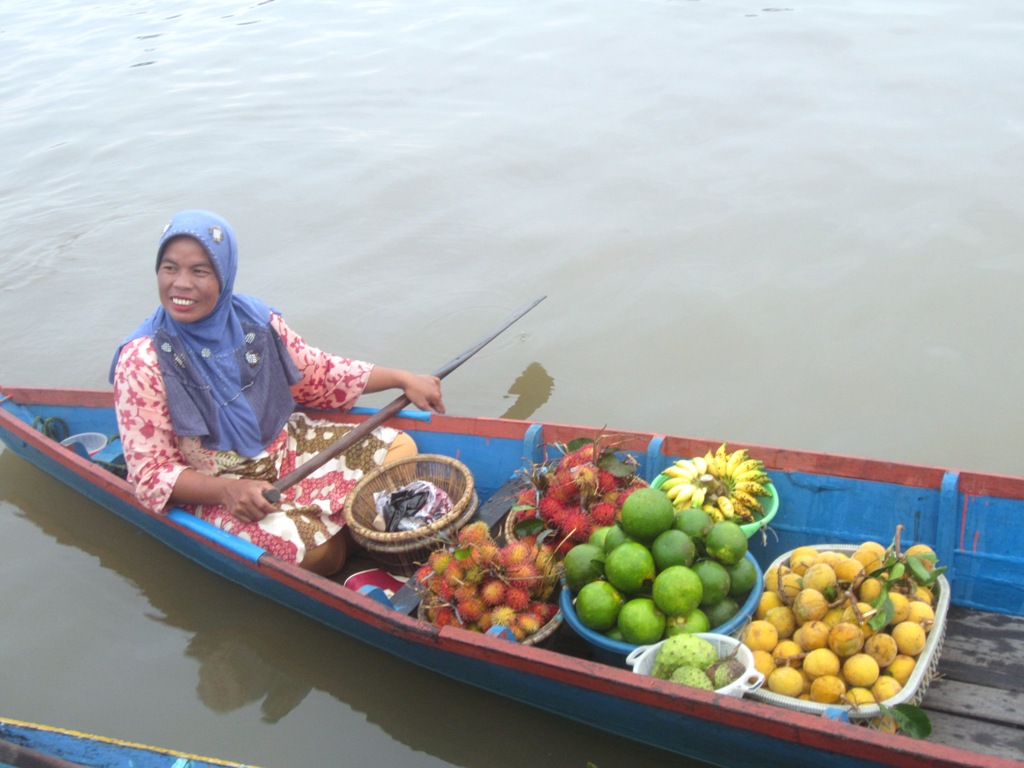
{"x":187,"y":281}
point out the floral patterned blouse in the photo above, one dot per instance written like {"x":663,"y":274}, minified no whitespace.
{"x":155,"y":455}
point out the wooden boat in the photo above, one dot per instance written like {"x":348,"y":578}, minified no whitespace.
{"x":972,"y":520}
{"x":31,"y":745}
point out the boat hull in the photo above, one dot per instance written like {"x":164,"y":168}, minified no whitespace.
{"x":703,"y":725}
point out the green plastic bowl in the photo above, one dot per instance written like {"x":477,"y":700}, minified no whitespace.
{"x":770,"y":504}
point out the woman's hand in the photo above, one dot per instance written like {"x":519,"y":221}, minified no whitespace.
{"x":244,"y":499}
{"x":422,"y":389}
{"x":241,"y":497}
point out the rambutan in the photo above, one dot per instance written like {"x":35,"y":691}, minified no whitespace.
{"x":577,"y":525}
{"x":454,"y":571}
{"x":516,"y":553}
{"x":438,"y":560}
{"x":475,"y":533}
{"x":585,"y":478}
{"x":465,"y":592}
{"x":443,"y":616}
{"x":445,"y":590}
{"x":423,"y":573}
{"x":492,"y":591}
{"x":472,"y":610}
{"x":562,"y":488}
{"x":475,"y":573}
{"x":544,"y":612}
{"x":503,"y":616}
{"x":527,"y":497}
{"x":525,"y":576}
{"x":606,"y":481}
{"x":582,"y":455}
{"x":528,"y":624}
{"x":517,"y":598}
{"x":603,"y":513}
{"x":486,"y":554}
{"x":550,"y":508}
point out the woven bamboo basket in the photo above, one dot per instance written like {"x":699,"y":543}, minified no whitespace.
{"x":403,"y":551}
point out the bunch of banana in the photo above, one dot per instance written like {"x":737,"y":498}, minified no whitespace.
{"x":725,"y":485}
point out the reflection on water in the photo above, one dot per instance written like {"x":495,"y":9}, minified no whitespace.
{"x":531,"y":389}
{"x":232,"y":674}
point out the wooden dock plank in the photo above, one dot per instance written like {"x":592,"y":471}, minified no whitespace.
{"x":984,"y":648}
{"x":976,"y":735}
{"x":975,"y":701}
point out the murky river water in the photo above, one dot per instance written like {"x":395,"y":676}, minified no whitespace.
{"x":795,"y":225}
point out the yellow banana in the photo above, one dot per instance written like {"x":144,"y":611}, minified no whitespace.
{"x":709,"y":459}
{"x":735,"y":459}
{"x":697,"y":500}
{"x":747,"y":500}
{"x":725,"y":504}
{"x":743,"y":514}
{"x":754,"y":489}
{"x":687,"y":465}
{"x":747,"y":465}
{"x":674,"y":492}
{"x":679,"y":472}
{"x":671,"y":483}
{"x":701,"y":465}
{"x":716,"y":514}
{"x":721,"y":459}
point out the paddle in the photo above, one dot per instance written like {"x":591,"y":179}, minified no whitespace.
{"x":358,"y":432}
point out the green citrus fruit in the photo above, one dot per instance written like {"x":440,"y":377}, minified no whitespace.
{"x":742,"y":577}
{"x":630,"y":567}
{"x":598,"y":536}
{"x":583,"y":563}
{"x":726,"y":542}
{"x":597,"y":605}
{"x":614,"y":537}
{"x":719,"y":613}
{"x":694,"y":621}
{"x":673,"y":547}
{"x":695,"y":523}
{"x":677,"y":590}
{"x":715,"y":580}
{"x":641,"y":622}
{"x":645,"y":513}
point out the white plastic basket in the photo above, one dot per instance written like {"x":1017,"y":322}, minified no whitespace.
{"x":92,"y":442}
{"x":641,"y":659}
{"x":924,"y":670}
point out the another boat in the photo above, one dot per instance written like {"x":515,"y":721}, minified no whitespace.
{"x":41,"y":746}
{"x":972,"y":520}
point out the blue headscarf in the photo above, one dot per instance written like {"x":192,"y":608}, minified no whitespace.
{"x":227,"y":374}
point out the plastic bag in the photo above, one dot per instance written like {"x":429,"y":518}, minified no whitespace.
{"x":410,"y":507}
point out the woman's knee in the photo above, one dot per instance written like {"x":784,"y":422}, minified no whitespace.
{"x":328,"y":558}
{"x":402,"y":448}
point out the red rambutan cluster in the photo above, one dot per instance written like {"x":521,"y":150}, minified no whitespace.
{"x":477,"y":584}
{"x":579,"y":493}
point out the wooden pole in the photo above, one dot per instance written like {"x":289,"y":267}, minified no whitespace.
{"x":362,"y":429}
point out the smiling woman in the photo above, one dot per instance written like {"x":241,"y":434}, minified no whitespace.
{"x":206,"y":389}
{"x":188,"y":283}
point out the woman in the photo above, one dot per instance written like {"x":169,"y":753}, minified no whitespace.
{"x":205,"y":392}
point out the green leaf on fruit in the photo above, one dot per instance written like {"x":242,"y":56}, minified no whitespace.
{"x":579,"y":442}
{"x":529,"y":527}
{"x":886,"y":610}
{"x":910,"y":719}
{"x":616,"y":466}
{"x":897,"y":571}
